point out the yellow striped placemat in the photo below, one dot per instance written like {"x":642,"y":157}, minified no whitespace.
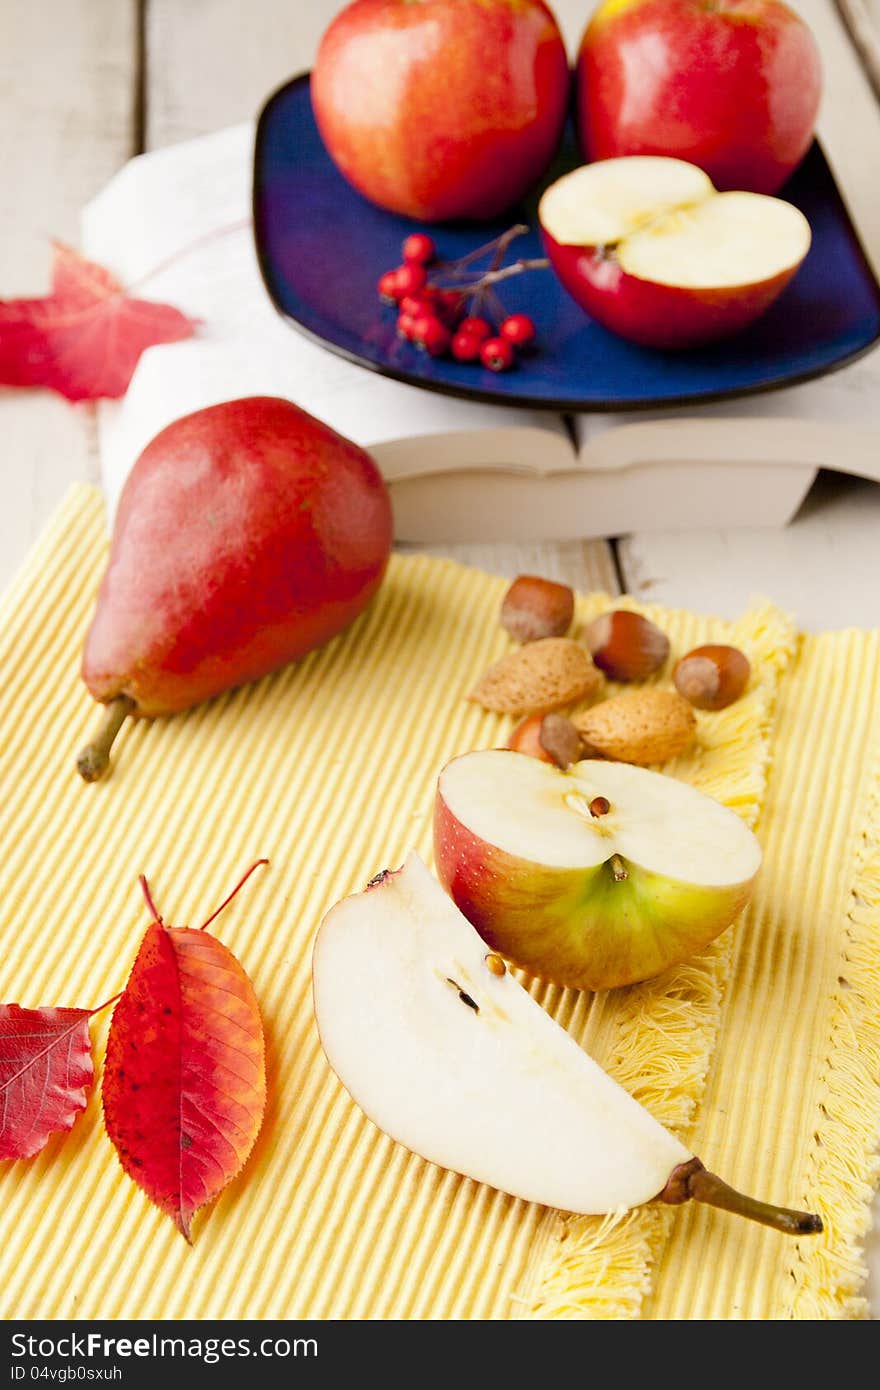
{"x":328,"y":769}
{"x":793,"y":1101}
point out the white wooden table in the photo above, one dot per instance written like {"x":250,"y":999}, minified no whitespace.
{"x":85,"y":84}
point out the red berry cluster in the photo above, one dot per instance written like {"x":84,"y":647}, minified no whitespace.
{"x":435,"y":318}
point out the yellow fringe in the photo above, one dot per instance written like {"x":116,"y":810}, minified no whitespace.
{"x":657,"y":1038}
{"x":843,"y":1163}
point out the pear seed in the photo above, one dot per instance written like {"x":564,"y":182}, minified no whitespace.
{"x":496,"y":964}
{"x":600,"y":806}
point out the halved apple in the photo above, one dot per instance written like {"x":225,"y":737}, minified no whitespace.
{"x":650,"y":249}
{"x":593,"y":877}
{"x":445,"y":1051}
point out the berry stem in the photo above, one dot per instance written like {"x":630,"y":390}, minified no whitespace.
{"x":496,"y":247}
{"x":93,"y":760}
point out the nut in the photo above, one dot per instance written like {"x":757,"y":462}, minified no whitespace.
{"x":534,"y":608}
{"x":712,"y":677}
{"x":540,"y":676}
{"x":558,"y":737}
{"x":550,"y":737}
{"x":626,"y":646}
{"x":526,"y":738}
{"x":640,"y":726}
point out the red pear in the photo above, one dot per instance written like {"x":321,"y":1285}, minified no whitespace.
{"x":247,"y":534}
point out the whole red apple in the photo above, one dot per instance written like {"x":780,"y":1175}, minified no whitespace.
{"x":247,"y":534}
{"x":442,"y":108}
{"x":730,"y":85}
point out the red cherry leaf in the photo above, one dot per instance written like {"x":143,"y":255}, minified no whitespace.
{"x":184,"y":1082}
{"x":45,"y":1072}
{"x":85,"y":338}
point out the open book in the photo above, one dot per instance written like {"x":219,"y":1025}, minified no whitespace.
{"x":176,"y":224}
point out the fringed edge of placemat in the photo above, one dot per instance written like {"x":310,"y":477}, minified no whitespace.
{"x":600,"y":1268}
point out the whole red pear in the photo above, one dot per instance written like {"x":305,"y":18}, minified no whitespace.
{"x":442,"y":108}
{"x":730,"y":85}
{"x":247,"y":534}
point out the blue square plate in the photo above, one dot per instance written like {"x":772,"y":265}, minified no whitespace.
{"x":322,"y":247}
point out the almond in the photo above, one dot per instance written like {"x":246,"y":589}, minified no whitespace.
{"x":640,"y":726}
{"x":534,"y":608}
{"x":540,"y":676}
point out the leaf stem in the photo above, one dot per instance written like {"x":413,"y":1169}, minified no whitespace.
{"x":106,"y":1004}
{"x":93,"y":760}
{"x":148,"y":898}
{"x":226,"y":901}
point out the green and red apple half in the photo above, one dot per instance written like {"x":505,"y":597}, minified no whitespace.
{"x":444,"y":1050}
{"x":652,"y":251}
{"x":442,"y":109}
{"x":593,"y":877}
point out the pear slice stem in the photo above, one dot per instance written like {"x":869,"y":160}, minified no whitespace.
{"x":93,"y":760}
{"x":691,"y":1181}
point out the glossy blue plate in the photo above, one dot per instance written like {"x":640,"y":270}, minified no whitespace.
{"x":322,"y":247}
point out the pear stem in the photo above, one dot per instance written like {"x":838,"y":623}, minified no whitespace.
{"x":618,"y":868}
{"x":93,"y":760}
{"x":691,"y":1181}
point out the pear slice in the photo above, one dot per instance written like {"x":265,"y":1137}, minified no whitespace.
{"x":446,"y":1052}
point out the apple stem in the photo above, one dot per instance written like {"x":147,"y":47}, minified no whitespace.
{"x":618,"y":868}
{"x":692,"y":1181}
{"x":93,"y":760}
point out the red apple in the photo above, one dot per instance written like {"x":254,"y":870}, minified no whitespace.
{"x":652,"y":251}
{"x":731,"y":85}
{"x":442,"y":108}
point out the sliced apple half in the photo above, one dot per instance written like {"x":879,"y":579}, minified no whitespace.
{"x":445,"y":1051}
{"x":650,"y":249}
{"x":593,"y":877}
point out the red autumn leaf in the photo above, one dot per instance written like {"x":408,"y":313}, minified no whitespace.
{"x":85,"y":338}
{"x":184,"y":1081}
{"x":45,"y":1072}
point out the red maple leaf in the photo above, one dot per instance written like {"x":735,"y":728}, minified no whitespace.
{"x":45,"y":1072}
{"x":184,"y":1084}
{"x":85,"y":338}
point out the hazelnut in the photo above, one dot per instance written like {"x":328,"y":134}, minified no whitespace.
{"x":626,"y":646}
{"x":534,"y":608}
{"x":712,"y":677}
{"x":550,"y":737}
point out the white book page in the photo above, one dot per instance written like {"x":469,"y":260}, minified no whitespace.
{"x":189,"y":206}
{"x":832,"y":422}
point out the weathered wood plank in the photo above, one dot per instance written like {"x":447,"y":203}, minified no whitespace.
{"x":824,"y":568}
{"x":67,"y":96}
